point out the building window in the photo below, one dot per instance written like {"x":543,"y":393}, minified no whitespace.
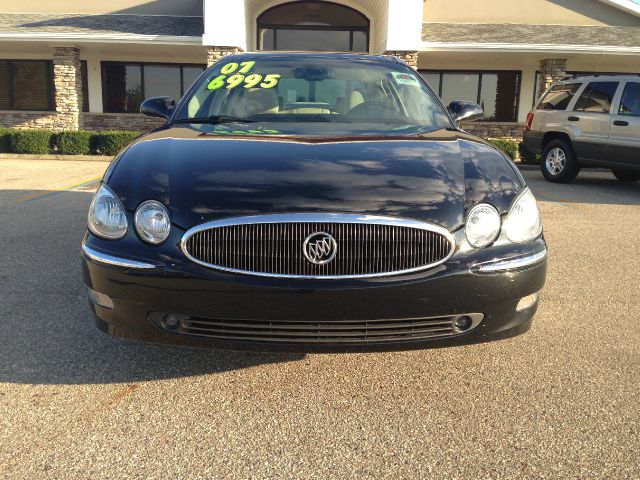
{"x":125,"y":85}
{"x":313,"y":25}
{"x":26,"y":85}
{"x":497,"y":92}
{"x":85,"y":85}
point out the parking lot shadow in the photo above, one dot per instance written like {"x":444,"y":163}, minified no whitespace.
{"x":48,"y":334}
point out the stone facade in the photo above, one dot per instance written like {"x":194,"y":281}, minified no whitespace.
{"x":506,"y":130}
{"x":68,"y":88}
{"x":551,"y":70}
{"x":215,"y":53}
{"x":120,"y":121}
{"x":408,"y":57}
{"x":89,"y":121}
{"x":27,"y":120}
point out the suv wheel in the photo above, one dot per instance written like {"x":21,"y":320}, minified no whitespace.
{"x":626,"y":175}
{"x":559,"y":163}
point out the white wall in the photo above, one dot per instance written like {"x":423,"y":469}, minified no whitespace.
{"x":394,"y":24}
{"x":404,"y":27}
{"x":225,"y":24}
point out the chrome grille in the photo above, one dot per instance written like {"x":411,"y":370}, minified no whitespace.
{"x":334,"y":331}
{"x":272,"y":245}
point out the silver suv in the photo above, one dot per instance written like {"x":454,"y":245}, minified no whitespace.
{"x":587,"y":121}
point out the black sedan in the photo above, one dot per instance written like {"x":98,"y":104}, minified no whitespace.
{"x":313,"y":202}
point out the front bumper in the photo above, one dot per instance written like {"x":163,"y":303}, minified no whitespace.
{"x":489,"y":282}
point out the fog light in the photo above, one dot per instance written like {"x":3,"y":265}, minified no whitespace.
{"x":100,"y":299}
{"x":462,"y":323}
{"x":527,"y":302}
{"x":171,"y":321}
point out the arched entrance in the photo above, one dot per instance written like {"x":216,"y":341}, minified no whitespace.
{"x":313,"y":25}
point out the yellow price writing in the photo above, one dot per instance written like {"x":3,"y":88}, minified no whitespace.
{"x":250,"y":81}
{"x":230,"y":68}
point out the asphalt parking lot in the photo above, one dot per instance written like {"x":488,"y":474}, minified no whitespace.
{"x":562,"y":401}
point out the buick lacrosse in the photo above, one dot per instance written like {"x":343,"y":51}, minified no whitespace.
{"x":312,"y":202}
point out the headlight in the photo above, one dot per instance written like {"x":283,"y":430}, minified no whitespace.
{"x":523,"y":222}
{"x":107,"y":217}
{"x":483,"y":225}
{"x":152,"y":222}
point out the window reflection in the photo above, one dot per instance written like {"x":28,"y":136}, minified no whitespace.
{"x":459,"y":86}
{"x":292,"y":39}
{"x":497,"y":92}
{"x":311,"y":25}
{"x":124,"y":89}
{"x":160,"y":81}
{"x":26,"y":85}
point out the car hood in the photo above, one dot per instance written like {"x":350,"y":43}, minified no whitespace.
{"x":432,"y":177}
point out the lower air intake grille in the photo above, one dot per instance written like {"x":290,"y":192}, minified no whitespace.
{"x":335,"y":331}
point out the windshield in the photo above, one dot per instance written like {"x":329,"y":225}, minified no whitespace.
{"x":312,"y":89}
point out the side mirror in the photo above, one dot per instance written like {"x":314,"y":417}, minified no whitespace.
{"x":460,"y":110}
{"x":158,"y":107}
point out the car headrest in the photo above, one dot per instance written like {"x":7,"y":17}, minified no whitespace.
{"x":355,"y":99}
{"x":261,"y":100}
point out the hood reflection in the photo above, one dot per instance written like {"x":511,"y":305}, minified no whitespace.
{"x":422,"y":177}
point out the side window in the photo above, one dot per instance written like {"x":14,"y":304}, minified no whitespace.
{"x":630,"y":103}
{"x":559,"y":97}
{"x":597,"y":97}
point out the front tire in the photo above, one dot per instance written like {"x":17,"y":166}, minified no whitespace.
{"x":626,"y":175}
{"x":559,"y":164}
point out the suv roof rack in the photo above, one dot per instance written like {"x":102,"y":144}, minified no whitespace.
{"x":604,"y":74}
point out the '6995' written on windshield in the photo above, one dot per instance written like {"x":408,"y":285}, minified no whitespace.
{"x":233,"y":75}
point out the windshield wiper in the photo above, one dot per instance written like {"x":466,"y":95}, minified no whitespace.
{"x":214,"y":119}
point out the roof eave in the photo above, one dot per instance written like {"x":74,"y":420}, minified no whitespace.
{"x":527,"y":48}
{"x":82,"y":37}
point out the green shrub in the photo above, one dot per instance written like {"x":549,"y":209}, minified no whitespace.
{"x":110,"y":143}
{"x":5,"y":139}
{"x":73,"y":143}
{"x":528,"y":157}
{"x":510,"y":147}
{"x":31,"y":141}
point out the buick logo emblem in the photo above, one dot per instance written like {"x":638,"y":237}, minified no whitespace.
{"x":320,"y":248}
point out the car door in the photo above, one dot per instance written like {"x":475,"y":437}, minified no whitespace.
{"x":624,"y":135}
{"x":590,"y":120}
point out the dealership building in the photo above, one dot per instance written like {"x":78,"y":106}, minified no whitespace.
{"x":71,"y":64}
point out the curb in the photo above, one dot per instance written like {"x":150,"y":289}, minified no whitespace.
{"x":68,"y":158}
{"x":527,"y":167}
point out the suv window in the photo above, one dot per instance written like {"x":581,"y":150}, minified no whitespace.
{"x":630,"y":103}
{"x":559,"y":97}
{"x":597,"y":97}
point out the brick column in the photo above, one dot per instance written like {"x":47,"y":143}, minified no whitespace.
{"x":551,"y":69}
{"x":407,"y":56}
{"x":68,"y":88}
{"x":215,"y":53}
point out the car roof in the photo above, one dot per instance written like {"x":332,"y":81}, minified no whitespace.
{"x":352,"y":56}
